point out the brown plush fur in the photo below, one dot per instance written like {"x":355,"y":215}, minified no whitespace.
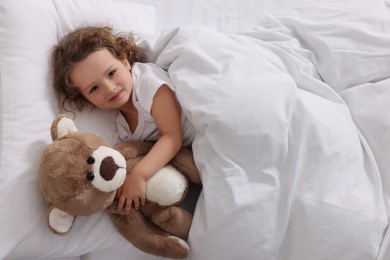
{"x":67,"y":185}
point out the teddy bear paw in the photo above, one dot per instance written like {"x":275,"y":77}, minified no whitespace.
{"x":174,"y":220}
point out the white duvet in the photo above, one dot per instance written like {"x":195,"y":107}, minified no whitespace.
{"x":286,"y":173}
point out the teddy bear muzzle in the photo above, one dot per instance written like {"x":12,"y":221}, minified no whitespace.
{"x":108,"y":169}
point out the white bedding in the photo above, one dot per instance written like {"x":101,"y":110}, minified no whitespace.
{"x":292,"y":120}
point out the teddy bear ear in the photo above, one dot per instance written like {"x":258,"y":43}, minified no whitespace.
{"x":59,"y":221}
{"x":61,"y":126}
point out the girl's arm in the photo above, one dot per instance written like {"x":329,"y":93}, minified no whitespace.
{"x":166,"y":114}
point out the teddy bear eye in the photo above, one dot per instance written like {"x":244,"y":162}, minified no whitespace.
{"x":90,"y":176}
{"x":91,"y":160}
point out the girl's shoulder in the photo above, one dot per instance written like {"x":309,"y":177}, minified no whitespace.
{"x":148,"y":78}
{"x":148,"y":68}
{"x":150,"y":73}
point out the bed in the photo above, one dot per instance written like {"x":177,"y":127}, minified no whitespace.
{"x":290,"y":100}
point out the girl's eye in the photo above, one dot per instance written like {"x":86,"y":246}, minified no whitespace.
{"x":93,"y":89}
{"x":111,"y":73}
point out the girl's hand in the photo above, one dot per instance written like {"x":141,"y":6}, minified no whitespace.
{"x":132,"y":192}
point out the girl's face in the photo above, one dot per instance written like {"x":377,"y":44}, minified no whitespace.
{"x":103,"y":80}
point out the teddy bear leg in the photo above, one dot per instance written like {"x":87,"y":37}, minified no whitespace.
{"x":146,"y":236}
{"x":174,"y":220}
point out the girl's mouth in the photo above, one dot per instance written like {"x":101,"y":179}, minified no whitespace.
{"x":116,"y":96}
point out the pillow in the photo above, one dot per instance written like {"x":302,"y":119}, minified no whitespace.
{"x":28,"y":31}
{"x":120,"y":14}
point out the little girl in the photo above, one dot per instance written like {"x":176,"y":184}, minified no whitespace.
{"x":91,"y":64}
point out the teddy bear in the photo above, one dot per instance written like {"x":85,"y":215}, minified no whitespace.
{"x":80,"y":172}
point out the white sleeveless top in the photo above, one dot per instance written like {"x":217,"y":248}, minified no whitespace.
{"x":148,"y":77}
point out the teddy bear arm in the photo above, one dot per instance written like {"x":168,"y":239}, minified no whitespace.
{"x":59,"y":221}
{"x":134,"y":149}
{"x":184,"y":163}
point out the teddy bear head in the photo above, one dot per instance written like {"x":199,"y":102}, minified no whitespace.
{"x":79,"y":172}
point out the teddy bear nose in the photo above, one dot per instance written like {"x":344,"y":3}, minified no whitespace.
{"x":108,"y":168}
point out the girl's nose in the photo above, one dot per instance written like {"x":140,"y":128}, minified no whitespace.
{"x":109,"y":86}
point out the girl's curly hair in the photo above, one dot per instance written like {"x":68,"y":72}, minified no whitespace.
{"x":76,"y":46}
